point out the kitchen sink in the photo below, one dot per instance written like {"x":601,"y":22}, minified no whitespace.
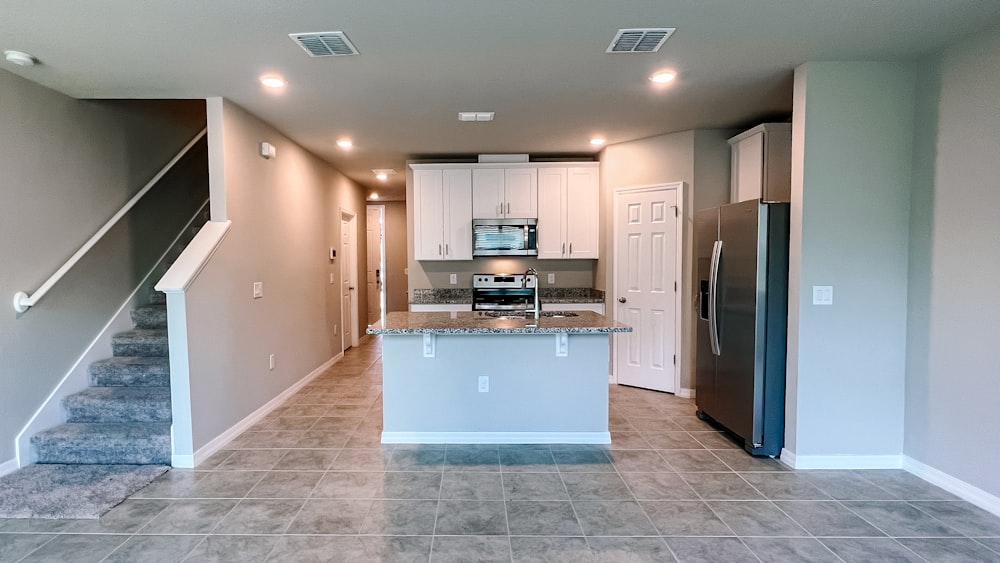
{"x":523,"y":315}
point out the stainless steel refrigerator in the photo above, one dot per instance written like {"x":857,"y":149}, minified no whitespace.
{"x":742,"y":262}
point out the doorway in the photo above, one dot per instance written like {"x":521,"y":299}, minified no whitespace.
{"x":647,"y":268}
{"x":349,"y":278}
{"x":375,"y":272}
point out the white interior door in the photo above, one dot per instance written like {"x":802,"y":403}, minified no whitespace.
{"x":375,"y":272}
{"x":646,"y":284}
{"x":349,"y":279}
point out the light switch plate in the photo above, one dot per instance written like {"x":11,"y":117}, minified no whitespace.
{"x":552,"y":279}
{"x":822,"y":295}
{"x":453,"y":279}
{"x":258,"y":290}
{"x":484,"y":384}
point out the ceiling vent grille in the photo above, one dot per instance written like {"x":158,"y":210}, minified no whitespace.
{"x":641,"y":40}
{"x":325,"y":44}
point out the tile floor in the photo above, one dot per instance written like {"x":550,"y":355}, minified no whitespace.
{"x":312,"y":483}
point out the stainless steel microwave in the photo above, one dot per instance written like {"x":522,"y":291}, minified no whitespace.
{"x":505,"y":237}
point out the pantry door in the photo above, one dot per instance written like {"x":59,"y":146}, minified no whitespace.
{"x":647,"y":286}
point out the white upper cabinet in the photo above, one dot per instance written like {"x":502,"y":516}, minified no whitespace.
{"x":504,"y":193}
{"x":442,"y":214}
{"x":762,"y":163}
{"x":568,"y":203}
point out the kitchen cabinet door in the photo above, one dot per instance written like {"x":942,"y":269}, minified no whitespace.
{"x":442,"y":214}
{"x":504,"y":193}
{"x":551,"y":213}
{"x":487,"y":193}
{"x":582,"y":202}
{"x":428,"y":214}
{"x":521,"y":193}
{"x":457,"y":222}
{"x":762,"y":163}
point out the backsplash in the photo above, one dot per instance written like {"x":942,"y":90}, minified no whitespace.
{"x":546,"y":295}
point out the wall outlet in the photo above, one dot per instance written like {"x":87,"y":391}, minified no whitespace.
{"x":453,"y":279}
{"x":270,"y":362}
{"x":552,"y":279}
{"x":484,"y":384}
{"x":258,"y":290}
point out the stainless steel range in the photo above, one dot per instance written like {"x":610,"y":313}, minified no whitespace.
{"x":503,"y":292}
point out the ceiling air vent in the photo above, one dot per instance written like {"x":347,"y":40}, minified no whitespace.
{"x":325,"y":43}
{"x":642,"y":40}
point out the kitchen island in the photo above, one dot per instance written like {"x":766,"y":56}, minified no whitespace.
{"x":468,"y":378}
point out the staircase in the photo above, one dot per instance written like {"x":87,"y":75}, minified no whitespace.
{"x":124,"y":416}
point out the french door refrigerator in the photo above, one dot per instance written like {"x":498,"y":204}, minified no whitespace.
{"x":742,"y":262}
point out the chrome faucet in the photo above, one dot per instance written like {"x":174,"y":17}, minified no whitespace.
{"x":524,"y":284}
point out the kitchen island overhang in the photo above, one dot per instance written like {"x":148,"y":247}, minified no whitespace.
{"x":546,"y":380}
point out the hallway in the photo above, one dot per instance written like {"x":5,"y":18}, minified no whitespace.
{"x":311,"y":482}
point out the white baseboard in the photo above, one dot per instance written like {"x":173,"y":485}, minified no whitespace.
{"x":965,"y":491}
{"x":840,"y":461}
{"x":220,"y":441}
{"x":8,"y":467}
{"x":496,"y":437}
{"x":685,"y":393}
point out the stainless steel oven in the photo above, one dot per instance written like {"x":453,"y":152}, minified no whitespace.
{"x":503,"y":292}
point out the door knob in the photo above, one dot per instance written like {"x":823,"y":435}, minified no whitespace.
{"x":622,"y":300}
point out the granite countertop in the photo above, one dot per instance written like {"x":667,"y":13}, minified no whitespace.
{"x":585,"y":322}
{"x":546,"y":295}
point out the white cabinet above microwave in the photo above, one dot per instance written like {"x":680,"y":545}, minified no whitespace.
{"x":501,"y":193}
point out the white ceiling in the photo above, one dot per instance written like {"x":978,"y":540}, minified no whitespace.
{"x":539,"y":64}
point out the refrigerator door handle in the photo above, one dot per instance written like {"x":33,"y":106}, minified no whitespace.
{"x":713,"y":301}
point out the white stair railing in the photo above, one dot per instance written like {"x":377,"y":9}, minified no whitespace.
{"x":23,"y":302}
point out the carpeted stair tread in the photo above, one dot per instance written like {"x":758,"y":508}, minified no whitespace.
{"x":130,"y":371}
{"x":139,"y":443}
{"x":140,"y":342}
{"x":119,"y":404}
{"x":150,"y":316}
{"x":157,"y":297}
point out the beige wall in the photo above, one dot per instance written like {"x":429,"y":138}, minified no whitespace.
{"x":66,"y":166}
{"x":285,"y":215}
{"x":395,"y":256}
{"x":700,"y":159}
{"x":952,"y":383}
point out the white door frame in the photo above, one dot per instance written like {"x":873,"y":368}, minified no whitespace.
{"x":351,"y":218}
{"x":678,"y":264}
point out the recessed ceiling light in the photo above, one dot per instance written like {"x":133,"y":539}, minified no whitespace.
{"x":597,"y":141}
{"x":663,"y":76}
{"x":345,"y":143}
{"x":273,"y":81}
{"x":382,"y":176}
{"x":383,"y":173}
{"x":373,"y":196}
{"x":20,"y":58}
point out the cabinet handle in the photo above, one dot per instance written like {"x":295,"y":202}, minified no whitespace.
{"x":439,"y":250}
{"x":446,"y":251}
{"x":508,"y":209}
{"x":563,"y":248}
{"x":571,"y":248}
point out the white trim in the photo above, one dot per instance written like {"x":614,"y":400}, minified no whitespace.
{"x":685,"y":393}
{"x":679,"y":189}
{"x":198,"y":252}
{"x":8,"y":467}
{"x":220,"y":441}
{"x":971,"y":493}
{"x":496,"y":437}
{"x":840,"y":461}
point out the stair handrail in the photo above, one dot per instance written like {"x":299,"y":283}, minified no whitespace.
{"x":23,"y":302}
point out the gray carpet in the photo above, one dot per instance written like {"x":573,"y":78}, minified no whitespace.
{"x":71,"y":491}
